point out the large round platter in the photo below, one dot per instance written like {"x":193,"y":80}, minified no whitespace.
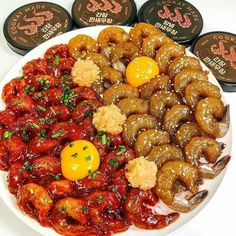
{"x":9,"y":199}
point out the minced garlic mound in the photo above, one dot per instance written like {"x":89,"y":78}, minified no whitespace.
{"x":85,"y":72}
{"x":109,"y":119}
{"x":141,"y":173}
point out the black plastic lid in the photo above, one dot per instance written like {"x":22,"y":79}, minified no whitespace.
{"x":34,"y":23}
{"x":179,"y":20}
{"x":109,"y":12}
{"x":218,"y":51}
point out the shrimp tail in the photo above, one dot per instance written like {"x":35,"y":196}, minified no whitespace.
{"x":211,"y":172}
{"x":184,"y":205}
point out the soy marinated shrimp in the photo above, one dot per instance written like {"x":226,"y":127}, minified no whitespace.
{"x":209,"y":149}
{"x":112,"y":35}
{"x":137,"y":210}
{"x":186,"y":76}
{"x":118,"y":91}
{"x":123,"y":53}
{"x":134,"y":124}
{"x":208,"y":113}
{"x":158,"y":83}
{"x":186,"y":132}
{"x":175,"y":116}
{"x":153,"y":42}
{"x":69,"y":208}
{"x":167,"y":176}
{"x":133,"y":105}
{"x":149,"y":138}
{"x":108,"y":77}
{"x":166,"y":54}
{"x":29,"y":201}
{"x":98,"y":59}
{"x":199,"y":89}
{"x":141,"y":31}
{"x":161,"y":101}
{"x":82,"y":44}
{"x":181,"y":63}
{"x":164,"y":153}
{"x":202,"y":146}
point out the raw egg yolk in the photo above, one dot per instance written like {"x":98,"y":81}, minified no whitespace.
{"x":141,"y":70}
{"x":79,"y":159}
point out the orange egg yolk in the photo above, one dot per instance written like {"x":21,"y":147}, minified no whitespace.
{"x":79,"y":159}
{"x":141,"y":70}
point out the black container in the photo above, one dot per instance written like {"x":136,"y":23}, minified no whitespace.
{"x":34,"y":23}
{"x":218,"y":51}
{"x":179,"y":20}
{"x":116,"y":12}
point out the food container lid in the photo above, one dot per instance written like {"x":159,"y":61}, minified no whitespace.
{"x":218,"y":51}
{"x":109,"y":12}
{"x":34,"y":23}
{"x":179,"y":20}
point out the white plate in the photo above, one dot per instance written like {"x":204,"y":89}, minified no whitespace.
{"x":9,"y":199}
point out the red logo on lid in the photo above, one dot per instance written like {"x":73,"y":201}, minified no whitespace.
{"x":104,"y":5}
{"x":176,"y":16}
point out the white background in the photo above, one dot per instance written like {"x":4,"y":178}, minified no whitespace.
{"x":218,"y":217}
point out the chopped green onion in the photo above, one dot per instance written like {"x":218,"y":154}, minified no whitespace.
{"x":41,"y":108}
{"x":35,"y":126}
{"x":75,"y":155}
{"x":63,"y":209}
{"x":57,"y":177}
{"x":93,"y":175}
{"x":7,"y":134}
{"x":104,"y":139}
{"x":85,"y":147}
{"x":43,"y":133}
{"x":27,"y":166}
{"x":71,"y":145}
{"x":88,"y":113}
{"x":100,"y":133}
{"x":57,"y":60}
{"x":57,"y":135}
{"x":113,"y":163}
{"x":20,"y":171}
{"x":122,"y":150}
{"x":88,"y":158}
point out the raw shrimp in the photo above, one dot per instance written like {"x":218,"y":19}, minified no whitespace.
{"x":82,"y":44}
{"x":161,"y":101}
{"x":122,"y":54}
{"x":108,"y":77}
{"x":199,"y":89}
{"x":166,"y":54}
{"x":154,"y":42}
{"x":181,"y":63}
{"x":70,"y":208}
{"x":133,"y":105}
{"x":13,"y":88}
{"x":99,"y":59}
{"x":138,"y":209}
{"x":141,"y":31}
{"x":175,"y":116}
{"x":118,"y":91}
{"x":34,"y":200}
{"x":210,"y":149}
{"x":164,"y":153}
{"x":186,"y":132}
{"x":112,"y":35}
{"x":186,"y":76}
{"x":134,"y":123}
{"x":209,"y":115}
{"x":202,"y":146}
{"x":149,"y":138}
{"x":158,"y":83}
{"x":167,"y":176}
